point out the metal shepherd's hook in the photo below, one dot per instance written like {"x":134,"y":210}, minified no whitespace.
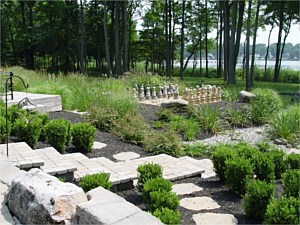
{"x":10,"y":78}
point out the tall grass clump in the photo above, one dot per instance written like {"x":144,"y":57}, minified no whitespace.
{"x":265,"y":105}
{"x":208,"y":118}
{"x":286,"y":124}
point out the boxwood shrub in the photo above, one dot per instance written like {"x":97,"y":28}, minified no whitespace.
{"x":146,"y":172}
{"x":91,"y":181}
{"x":293,"y":161}
{"x":28,"y":130}
{"x":283,"y":211}
{"x":167,"y":216}
{"x":258,"y":196}
{"x":218,"y":157}
{"x":264,"y":168}
{"x":162,"y":199}
{"x":156,"y":184}
{"x":238,"y":172}
{"x":83,"y":136}
{"x":291,"y":183}
{"x":277,"y":156}
{"x":58,"y":133}
{"x":4,"y":133}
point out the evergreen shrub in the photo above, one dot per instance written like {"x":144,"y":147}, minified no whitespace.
{"x":162,"y":199}
{"x":291,"y":183}
{"x":146,"y":172}
{"x":167,"y":216}
{"x":92,"y":181}
{"x":83,"y":136}
{"x":156,"y":184}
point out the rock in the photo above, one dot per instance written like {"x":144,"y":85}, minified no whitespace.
{"x":246,"y":96}
{"x":280,"y":141}
{"x":174,"y":103}
{"x":296,"y":97}
{"x":39,"y":198}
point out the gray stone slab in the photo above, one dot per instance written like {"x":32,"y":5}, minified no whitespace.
{"x":126,"y":156}
{"x":199,"y":203}
{"x":144,"y":217}
{"x":185,"y":188}
{"x":214,"y":218}
{"x":6,"y":219}
{"x":98,"y":145}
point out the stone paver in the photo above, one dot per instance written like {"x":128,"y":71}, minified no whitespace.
{"x":185,"y":188}
{"x":209,"y":168}
{"x":98,"y":145}
{"x":199,"y":203}
{"x":126,"y":156}
{"x":214,"y":218}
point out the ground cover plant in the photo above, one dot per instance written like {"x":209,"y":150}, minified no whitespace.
{"x":92,"y":181}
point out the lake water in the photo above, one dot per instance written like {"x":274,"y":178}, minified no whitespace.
{"x":294,"y":65}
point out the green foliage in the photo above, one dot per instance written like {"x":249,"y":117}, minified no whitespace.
{"x":291,"y":183}
{"x":163,"y":142}
{"x":219,"y":157}
{"x":167,"y":216}
{"x":28,"y":131}
{"x":146,"y":172}
{"x":264,"y":168}
{"x":45,"y":119}
{"x":165,"y":115}
{"x":4,"y":133}
{"x":208,"y":117}
{"x":195,"y":150}
{"x":238,"y":117}
{"x":293,"y":161}
{"x":286,"y":124}
{"x":189,"y":128}
{"x":162,"y":199}
{"x":230,"y":94}
{"x":258,"y":196}
{"x":245,"y":150}
{"x":92,"y":181}
{"x":156,"y":184}
{"x":265,"y":105}
{"x":58,"y":133}
{"x":83,"y":136}
{"x":277,"y":157}
{"x":238,"y":173}
{"x":283,"y":211}
{"x":103,"y":118}
{"x":131,"y":127}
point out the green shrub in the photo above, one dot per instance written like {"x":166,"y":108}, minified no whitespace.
{"x":167,"y":216}
{"x":264,"y":146}
{"x":28,"y":131}
{"x":162,"y":199}
{"x":264,"y":168}
{"x":45,"y":119}
{"x":286,"y":124}
{"x":195,"y":150}
{"x":258,"y":196}
{"x":189,"y":128}
{"x":218,"y":157}
{"x":277,"y":156}
{"x":83,"y":136}
{"x":103,"y":118}
{"x":208,"y":118}
{"x":266,"y":103}
{"x":245,"y":150}
{"x":14,"y":112}
{"x":165,"y":115}
{"x":156,"y":184}
{"x":283,"y":211}
{"x":146,"y":172}
{"x":230,"y":94}
{"x":293,"y":161}
{"x":131,"y":127}
{"x":4,"y":133}
{"x":89,"y":182}
{"x":238,"y":117}
{"x":291,"y":183}
{"x":58,"y":133}
{"x":163,"y":142}
{"x":238,"y":173}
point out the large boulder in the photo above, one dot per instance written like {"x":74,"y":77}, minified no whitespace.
{"x":39,"y":198}
{"x":246,"y":96}
{"x":174,"y":103}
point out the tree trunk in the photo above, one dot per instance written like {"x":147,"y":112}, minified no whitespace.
{"x":125,"y":38}
{"x":206,"y":39}
{"x":278,"y":45}
{"x":109,"y":69}
{"x":267,"y":53}
{"x":182,"y":40}
{"x":170,"y":35}
{"x":231,"y":64}
{"x":81,"y":49}
{"x":284,"y":40}
{"x":12,"y":39}
{"x":219,"y":71}
{"x":254,"y":45}
{"x":248,"y":83}
{"x":117,"y":39}
{"x":239,"y":30}
{"x":226,"y":38}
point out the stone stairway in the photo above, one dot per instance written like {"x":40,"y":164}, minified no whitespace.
{"x":78,"y":165}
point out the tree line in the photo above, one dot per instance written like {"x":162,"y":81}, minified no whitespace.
{"x":102,"y":36}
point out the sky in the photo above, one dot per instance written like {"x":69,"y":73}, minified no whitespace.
{"x":293,"y":37}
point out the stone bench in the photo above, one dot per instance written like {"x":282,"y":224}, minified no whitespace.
{"x":105,"y":207}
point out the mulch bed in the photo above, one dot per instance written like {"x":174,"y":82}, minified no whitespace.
{"x":212,"y":187}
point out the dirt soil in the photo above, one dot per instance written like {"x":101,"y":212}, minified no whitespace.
{"x":212,"y":187}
